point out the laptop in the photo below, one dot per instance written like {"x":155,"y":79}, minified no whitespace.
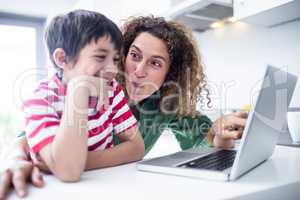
{"x":265,"y":121}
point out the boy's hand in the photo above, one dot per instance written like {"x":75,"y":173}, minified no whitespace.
{"x":95,"y":86}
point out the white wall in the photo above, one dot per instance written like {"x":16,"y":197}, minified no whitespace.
{"x":237,"y":55}
{"x":36,"y":7}
{"x":118,"y":10}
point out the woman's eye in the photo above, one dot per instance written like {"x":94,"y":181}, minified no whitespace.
{"x":134,"y":55}
{"x":156,"y":64}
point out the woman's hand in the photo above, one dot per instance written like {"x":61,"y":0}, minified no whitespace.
{"x":227,"y":129}
{"x":18,"y":170}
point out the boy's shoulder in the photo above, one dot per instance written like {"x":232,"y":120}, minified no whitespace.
{"x":50,"y":86}
{"x":47,"y":90}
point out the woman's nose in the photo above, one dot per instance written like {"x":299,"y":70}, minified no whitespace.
{"x":140,"y":70}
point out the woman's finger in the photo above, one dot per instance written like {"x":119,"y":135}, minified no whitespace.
{"x":230,"y":134}
{"x":5,"y":184}
{"x":37,"y":177}
{"x":19,"y":179}
{"x":242,"y":114}
{"x":232,"y":122}
{"x":224,"y":144}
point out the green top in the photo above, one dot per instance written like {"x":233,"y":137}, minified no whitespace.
{"x":189,"y":131}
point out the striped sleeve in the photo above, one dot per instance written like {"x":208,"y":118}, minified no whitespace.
{"x":122,"y":119}
{"x":41,"y":122}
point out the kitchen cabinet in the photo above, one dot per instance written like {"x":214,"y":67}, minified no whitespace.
{"x":266,"y":12}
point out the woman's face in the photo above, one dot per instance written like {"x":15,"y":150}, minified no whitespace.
{"x":146,"y":66}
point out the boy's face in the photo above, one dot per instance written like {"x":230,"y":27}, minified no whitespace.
{"x":98,"y":58}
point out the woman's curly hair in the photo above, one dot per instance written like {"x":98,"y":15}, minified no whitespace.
{"x":186,"y":69}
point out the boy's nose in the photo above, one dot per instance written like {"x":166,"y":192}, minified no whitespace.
{"x":110,"y":72}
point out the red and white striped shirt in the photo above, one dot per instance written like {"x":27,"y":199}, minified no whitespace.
{"x":44,"y":110}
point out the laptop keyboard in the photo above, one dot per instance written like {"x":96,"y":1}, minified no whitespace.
{"x":219,"y":161}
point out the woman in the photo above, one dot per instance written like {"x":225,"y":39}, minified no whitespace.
{"x":163,"y":77}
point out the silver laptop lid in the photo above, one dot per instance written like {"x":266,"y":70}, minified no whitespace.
{"x":265,"y":120}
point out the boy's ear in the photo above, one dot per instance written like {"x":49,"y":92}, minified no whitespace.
{"x":60,"y":58}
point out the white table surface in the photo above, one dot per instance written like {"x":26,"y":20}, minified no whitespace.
{"x":279,"y":177}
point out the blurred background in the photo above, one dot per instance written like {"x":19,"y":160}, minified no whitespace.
{"x":237,"y":39}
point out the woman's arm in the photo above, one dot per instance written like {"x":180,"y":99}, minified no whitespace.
{"x":131,"y":149}
{"x":191,"y":131}
{"x":19,"y":170}
{"x":200,"y":131}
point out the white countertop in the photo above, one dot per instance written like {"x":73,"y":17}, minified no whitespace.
{"x":282,"y":170}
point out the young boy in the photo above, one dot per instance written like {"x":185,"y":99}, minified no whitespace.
{"x":71,"y":118}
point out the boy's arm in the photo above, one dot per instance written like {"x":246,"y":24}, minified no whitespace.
{"x":131,"y":149}
{"x":66,"y":155}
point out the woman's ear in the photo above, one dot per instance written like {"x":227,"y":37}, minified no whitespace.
{"x":60,"y":58}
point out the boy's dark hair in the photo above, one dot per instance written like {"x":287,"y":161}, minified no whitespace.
{"x":74,"y":30}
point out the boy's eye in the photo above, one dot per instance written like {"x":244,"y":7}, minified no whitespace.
{"x":116,"y":60}
{"x":100,"y":57}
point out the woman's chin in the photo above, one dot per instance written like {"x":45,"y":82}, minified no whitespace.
{"x":136,"y":98}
